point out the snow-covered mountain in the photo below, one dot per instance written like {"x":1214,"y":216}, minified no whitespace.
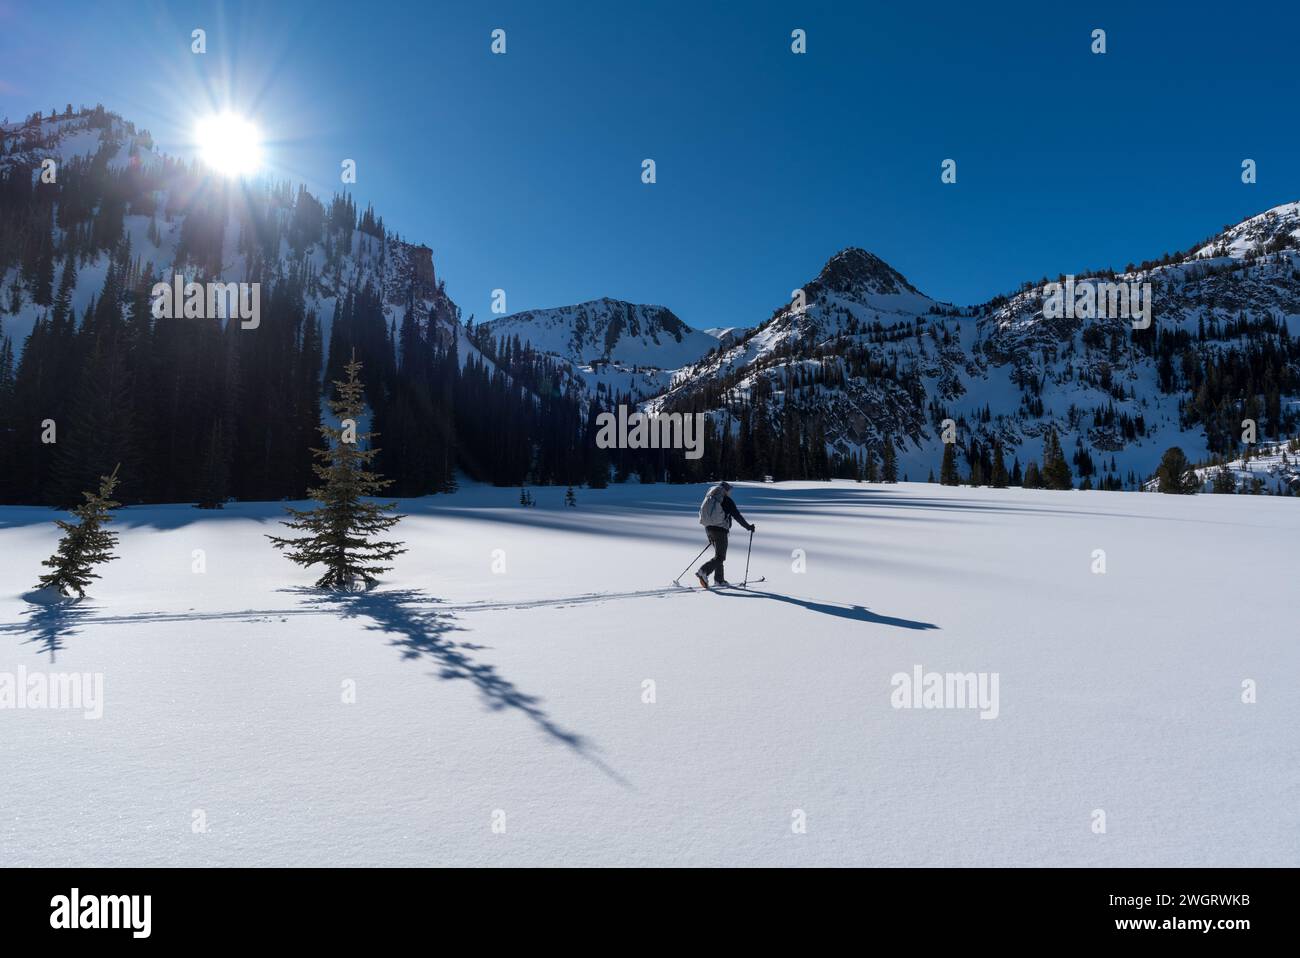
{"x":82,"y":142}
{"x":608,"y":344}
{"x":608,"y":330}
{"x":860,"y":360}
{"x":877,"y":360}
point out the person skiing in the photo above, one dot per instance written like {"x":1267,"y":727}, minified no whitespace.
{"x":716,"y":512}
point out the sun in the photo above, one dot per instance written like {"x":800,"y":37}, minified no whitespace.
{"x":229,"y":143}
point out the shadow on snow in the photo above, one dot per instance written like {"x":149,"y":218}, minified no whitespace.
{"x":421,"y":634}
{"x":51,"y":619}
{"x":857,"y":613}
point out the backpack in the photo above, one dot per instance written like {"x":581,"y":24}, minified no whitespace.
{"x":711,"y":513}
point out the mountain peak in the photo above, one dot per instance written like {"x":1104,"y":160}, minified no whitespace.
{"x":855,"y":272}
{"x":608,"y":330}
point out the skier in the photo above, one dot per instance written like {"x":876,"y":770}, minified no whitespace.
{"x":716,"y":512}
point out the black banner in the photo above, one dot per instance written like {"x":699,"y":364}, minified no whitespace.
{"x":94,"y":907}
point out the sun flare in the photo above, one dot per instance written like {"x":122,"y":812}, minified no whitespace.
{"x":228,"y":143}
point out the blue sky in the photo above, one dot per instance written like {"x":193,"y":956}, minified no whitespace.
{"x":522,"y":171}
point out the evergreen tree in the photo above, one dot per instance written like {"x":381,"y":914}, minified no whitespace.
{"x":998,"y":479}
{"x":67,"y":284}
{"x":1224,"y":481}
{"x":948,"y":475}
{"x":889,"y":463}
{"x":569,"y":498}
{"x":85,"y":543}
{"x":1033,"y":480}
{"x":1055,"y":470}
{"x":44,"y":285}
{"x":1175,"y":473}
{"x":214,"y":482}
{"x":99,"y":427}
{"x":339,"y":530}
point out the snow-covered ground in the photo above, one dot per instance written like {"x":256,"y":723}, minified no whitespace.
{"x":516,"y":697}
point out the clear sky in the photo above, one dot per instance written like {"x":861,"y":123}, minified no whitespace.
{"x":523,"y":171}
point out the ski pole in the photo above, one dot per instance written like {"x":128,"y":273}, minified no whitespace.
{"x":751,"y":549}
{"x":691,"y":563}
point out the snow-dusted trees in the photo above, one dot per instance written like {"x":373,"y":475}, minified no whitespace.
{"x":1225,"y":483}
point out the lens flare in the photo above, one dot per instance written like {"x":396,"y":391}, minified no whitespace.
{"x":229,"y":144}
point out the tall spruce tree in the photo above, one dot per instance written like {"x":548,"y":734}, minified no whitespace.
{"x":1032,"y":480}
{"x":948,"y":475}
{"x":339,"y":530}
{"x":214,"y":481}
{"x":999,"y":478}
{"x":1055,"y":471}
{"x":85,"y":543}
{"x":889,"y":462}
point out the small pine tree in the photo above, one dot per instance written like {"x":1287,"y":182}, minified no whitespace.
{"x":948,"y":475}
{"x":523,"y":497}
{"x":340,"y":528}
{"x":85,"y":544}
{"x":570,"y":499}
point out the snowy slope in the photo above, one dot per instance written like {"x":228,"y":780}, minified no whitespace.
{"x":608,"y":330}
{"x":608,"y":344}
{"x":1271,"y":468}
{"x":522,"y":692}
{"x":402,"y":271}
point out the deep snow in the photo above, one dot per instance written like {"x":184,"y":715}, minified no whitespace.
{"x":518,"y":692}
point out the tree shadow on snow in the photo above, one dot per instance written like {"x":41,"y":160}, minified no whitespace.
{"x":51,"y":619}
{"x":421,"y":634}
{"x":856,"y":613}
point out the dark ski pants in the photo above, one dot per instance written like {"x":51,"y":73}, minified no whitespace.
{"x":718,"y":538}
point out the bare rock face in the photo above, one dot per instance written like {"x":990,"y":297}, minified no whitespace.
{"x":422,"y":276}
